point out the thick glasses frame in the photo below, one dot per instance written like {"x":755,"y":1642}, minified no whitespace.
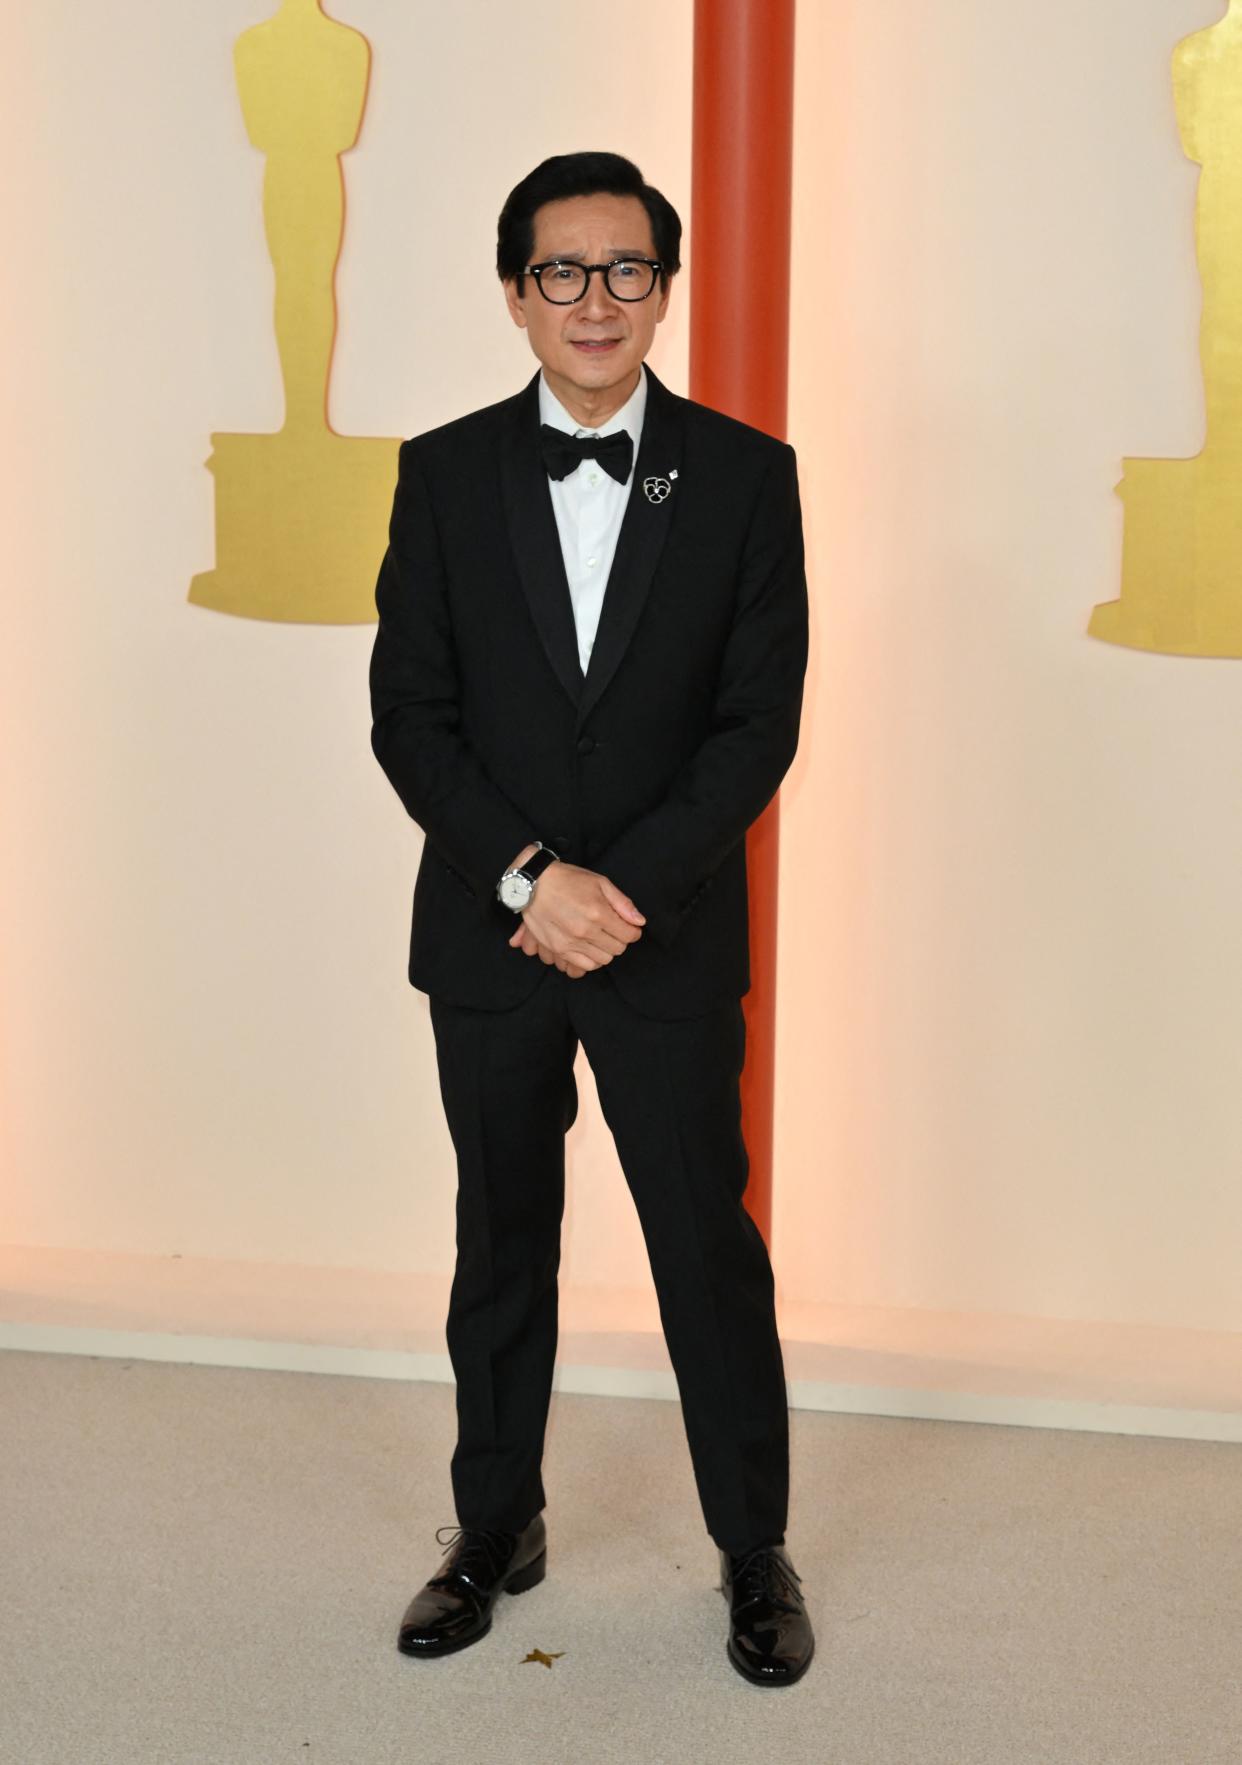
{"x":554,"y":263}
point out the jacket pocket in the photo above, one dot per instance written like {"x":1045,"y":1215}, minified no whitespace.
{"x":457,"y":877}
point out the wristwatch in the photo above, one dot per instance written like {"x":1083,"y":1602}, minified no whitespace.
{"x":516,"y":887}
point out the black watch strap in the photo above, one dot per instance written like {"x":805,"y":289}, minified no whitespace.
{"x":535,"y":867}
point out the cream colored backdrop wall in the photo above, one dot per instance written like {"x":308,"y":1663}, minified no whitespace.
{"x":1008,"y":1060}
{"x":210,"y":1044}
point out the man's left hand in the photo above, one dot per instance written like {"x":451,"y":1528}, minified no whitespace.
{"x":525,"y":940}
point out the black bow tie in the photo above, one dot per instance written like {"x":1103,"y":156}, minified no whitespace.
{"x":562,"y":453}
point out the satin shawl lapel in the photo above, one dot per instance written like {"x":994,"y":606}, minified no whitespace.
{"x":644,"y":529}
{"x":535,"y":540}
{"x":537,"y":544}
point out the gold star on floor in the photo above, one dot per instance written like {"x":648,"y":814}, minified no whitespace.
{"x":538,"y":1655}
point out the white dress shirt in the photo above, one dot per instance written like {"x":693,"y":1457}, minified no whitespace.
{"x":588,"y":505}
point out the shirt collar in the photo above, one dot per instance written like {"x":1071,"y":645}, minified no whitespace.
{"x":629,"y":417}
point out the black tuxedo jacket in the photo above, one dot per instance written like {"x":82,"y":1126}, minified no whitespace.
{"x":650,"y":768}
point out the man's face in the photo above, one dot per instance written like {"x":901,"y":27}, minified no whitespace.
{"x":599,"y":342}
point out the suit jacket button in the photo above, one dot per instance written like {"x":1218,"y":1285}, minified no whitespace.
{"x":586,"y":744}
{"x":560,"y":842}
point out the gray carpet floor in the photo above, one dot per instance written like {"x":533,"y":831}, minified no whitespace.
{"x":204,"y":1566}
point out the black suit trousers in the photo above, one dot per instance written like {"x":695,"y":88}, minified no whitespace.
{"x":669,"y":1093}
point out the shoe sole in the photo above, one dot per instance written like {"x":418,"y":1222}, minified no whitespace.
{"x":530,"y":1576}
{"x":520,"y":1582}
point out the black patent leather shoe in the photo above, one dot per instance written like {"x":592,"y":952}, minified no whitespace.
{"x":770,"y":1636}
{"x":454,"y":1608}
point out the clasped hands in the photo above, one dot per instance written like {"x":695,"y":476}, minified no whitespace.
{"x":577,"y":920}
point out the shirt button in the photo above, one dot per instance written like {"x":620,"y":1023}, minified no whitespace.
{"x":590,"y":563}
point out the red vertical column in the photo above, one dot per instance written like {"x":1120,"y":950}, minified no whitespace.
{"x":739,"y":363}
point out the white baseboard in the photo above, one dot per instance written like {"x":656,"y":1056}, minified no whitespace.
{"x":1016,"y":1371}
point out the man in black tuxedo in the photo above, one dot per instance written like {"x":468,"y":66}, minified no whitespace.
{"x":584,"y":761}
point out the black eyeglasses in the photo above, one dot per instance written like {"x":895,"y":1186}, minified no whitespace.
{"x":563,"y":282}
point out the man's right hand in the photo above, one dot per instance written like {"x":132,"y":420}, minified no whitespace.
{"x":577,"y":919}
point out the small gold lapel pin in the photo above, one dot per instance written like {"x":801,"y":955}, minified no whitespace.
{"x":538,"y":1655}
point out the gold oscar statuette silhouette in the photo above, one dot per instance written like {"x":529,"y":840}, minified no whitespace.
{"x":301,"y":515}
{"x":1181,"y":566}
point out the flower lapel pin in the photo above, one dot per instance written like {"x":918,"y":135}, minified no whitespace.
{"x":657,"y":489}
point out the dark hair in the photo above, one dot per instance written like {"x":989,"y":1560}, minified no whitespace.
{"x":581,"y":174}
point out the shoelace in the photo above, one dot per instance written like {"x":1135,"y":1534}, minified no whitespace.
{"x":761,"y":1575}
{"x":480,"y":1555}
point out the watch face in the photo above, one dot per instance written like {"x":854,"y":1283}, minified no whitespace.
{"x":515,"y":891}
